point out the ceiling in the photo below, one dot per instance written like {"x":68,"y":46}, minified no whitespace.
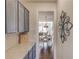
{"x":46,"y":16}
{"x":41,"y":0}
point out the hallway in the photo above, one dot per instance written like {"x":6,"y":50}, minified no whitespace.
{"x":39,"y":29}
{"x":46,"y":53}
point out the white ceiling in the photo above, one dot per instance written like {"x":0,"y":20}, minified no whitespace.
{"x":41,"y":0}
{"x":46,"y":16}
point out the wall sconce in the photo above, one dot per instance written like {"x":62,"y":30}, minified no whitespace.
{"x":65,"y":26}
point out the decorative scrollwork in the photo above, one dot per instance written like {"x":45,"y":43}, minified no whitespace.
{"x":65,"y":26}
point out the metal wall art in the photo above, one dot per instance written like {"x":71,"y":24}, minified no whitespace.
{"x":65,"y":26}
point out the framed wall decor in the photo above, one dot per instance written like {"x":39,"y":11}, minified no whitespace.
{"x":65,"y":26}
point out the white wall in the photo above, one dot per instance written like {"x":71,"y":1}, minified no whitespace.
{"x":65,"y":51}
{"x":34,"y":8}
{"x":11,"y":40}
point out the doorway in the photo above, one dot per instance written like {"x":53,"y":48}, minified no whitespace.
{"x":45,"y":33}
